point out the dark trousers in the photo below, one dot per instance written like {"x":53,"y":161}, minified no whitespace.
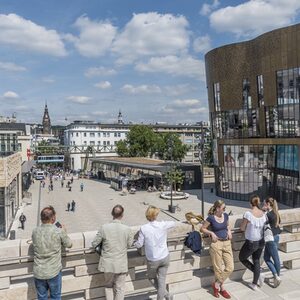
{"x":253,"y":249}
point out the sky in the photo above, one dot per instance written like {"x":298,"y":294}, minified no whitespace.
{"x":90,"y":59}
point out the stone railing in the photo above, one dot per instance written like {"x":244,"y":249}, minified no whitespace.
{"x":81,"y":279}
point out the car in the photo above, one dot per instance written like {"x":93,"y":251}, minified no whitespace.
{"x":40,"y":175}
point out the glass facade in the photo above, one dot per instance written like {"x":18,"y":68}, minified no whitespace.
{"x":8,"y":143}
{"x":241,"y":123}
{"x":259,"y":169}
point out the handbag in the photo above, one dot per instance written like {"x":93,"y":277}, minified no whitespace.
{"x":98,"y":249}
{"x":268,"y":234}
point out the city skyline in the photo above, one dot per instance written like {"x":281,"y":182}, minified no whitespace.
{"x":90,"y":59}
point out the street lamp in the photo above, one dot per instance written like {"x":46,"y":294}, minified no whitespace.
{"x":201,"y":160}
{"x":170,"y":151}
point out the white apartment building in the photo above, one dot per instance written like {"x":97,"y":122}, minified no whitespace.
{"x":103,"y":137}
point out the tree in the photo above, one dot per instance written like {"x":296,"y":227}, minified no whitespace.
{"x":122,"y":148}
{"x":175,"y":177}
{"x":170,"y":147}
{"x":140,"y":142}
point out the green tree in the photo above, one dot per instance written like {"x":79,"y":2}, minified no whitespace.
{"x":175,"y":177}
{"x":170,"y":147}
{"x":122,"y":148}
{"x":140,"y":142}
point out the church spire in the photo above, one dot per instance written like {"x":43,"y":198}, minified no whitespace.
{"x":120,"y":118}
{"x":46,"y":121}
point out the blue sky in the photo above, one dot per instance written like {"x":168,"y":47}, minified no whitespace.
{"x":88,"y":59}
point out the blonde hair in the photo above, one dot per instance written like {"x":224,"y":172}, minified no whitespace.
{"x":255,"y":201}
{"x":274,"y":205}
{"x":217,"y":204}
{"x":152,"y":213}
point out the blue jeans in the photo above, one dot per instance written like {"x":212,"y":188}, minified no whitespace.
{"x":271,"y":256}
{"x":53,"y":285}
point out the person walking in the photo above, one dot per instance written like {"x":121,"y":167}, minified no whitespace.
{"x":62,"y":183}
{"x":220,"y":248}
{"x":73,"y":204}
{"x":47,"y":241}
{"x":271,"y":256}
{"x":253,"y":225}
{"x":22,"y":220}
{"x":81,"y":187}
{"x":68,"y":206}
{"x":116,"y":238}
{"x":153,"y":236}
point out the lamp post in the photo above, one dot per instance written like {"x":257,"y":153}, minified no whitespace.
{"x":170,"y":150}
{"x":201,"y":159}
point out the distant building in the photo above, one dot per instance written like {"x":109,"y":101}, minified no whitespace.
{"x":11,"y":119}
{"x":81,"y":134}
{"x":46,"y":121}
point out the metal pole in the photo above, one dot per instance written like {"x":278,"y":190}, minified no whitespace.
{"x":202,"y":170}
{"x":171,"y":188}
{"x":39,"y":204}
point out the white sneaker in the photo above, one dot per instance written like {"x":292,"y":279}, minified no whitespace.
{"x":253,"y":286}
{"x":277,"y":281}
{"x":261,"y":280}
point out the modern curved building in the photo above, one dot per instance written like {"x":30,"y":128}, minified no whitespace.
{"x":254,"y":94}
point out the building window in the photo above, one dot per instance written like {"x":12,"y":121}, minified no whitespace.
{"x":260,"y":90}
{"x":84,"y":142}
{"x":76,"y":133}
{"x":217,"y":96}
{"x":116,"y":134}
{"x":104,"y":134}
{"x":104,"y":143}
{"x":246,"y":94}
{"x":99,"y":142}
{"x":108,"y":134}
{"x":92,"y":134}
{"x":99,"y":134}
{"x":119,"y":134}
{"x":84,"y":134}
{"x":108,"y":143}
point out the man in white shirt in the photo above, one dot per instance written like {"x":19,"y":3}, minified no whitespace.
{"x":153,"y":236}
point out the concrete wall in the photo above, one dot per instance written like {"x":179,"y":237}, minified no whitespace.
{"x":81,"y":280}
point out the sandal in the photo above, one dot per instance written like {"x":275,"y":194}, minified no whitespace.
{"x":225,"y":294}
{"x":215,"y":291}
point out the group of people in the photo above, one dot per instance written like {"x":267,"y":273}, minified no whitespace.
{"x":71,"y":206}
{"x":253,"y":224}
{"x":115,"y":238}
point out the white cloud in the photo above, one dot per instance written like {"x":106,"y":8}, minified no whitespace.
{"x":104,"y":85}
{"x":255,"y":16}
{"x":10,"y":95}
{"x":95,"y":37}
{"x":151,"y":34}
{"x":202,"y":44}
{"x":24,"y":34}
{"x":141,"y":89}
{"x":12,"y":67}
{"x":179,"y":89}
{"x":79,"y":99}
{"x":48,"y":80}
{"x":99,"y":71}
{"x":190,"y":106}
{"x":206,"y":8}
{"x":175,"y":66}
{"x":99,"y":113}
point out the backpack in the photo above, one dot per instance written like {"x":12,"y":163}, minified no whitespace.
{"x":194,"y":242}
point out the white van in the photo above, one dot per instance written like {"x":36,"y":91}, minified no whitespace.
{"x":40,"y":175}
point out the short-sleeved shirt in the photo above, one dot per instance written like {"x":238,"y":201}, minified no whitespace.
{"x":48,"y":241}
{"x":219,"y":229}
{"x":255,"y":227}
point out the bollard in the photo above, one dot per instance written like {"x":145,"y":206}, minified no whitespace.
{"x":12,"y":235}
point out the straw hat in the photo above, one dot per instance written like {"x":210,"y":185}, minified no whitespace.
{"x":193,"y":218}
